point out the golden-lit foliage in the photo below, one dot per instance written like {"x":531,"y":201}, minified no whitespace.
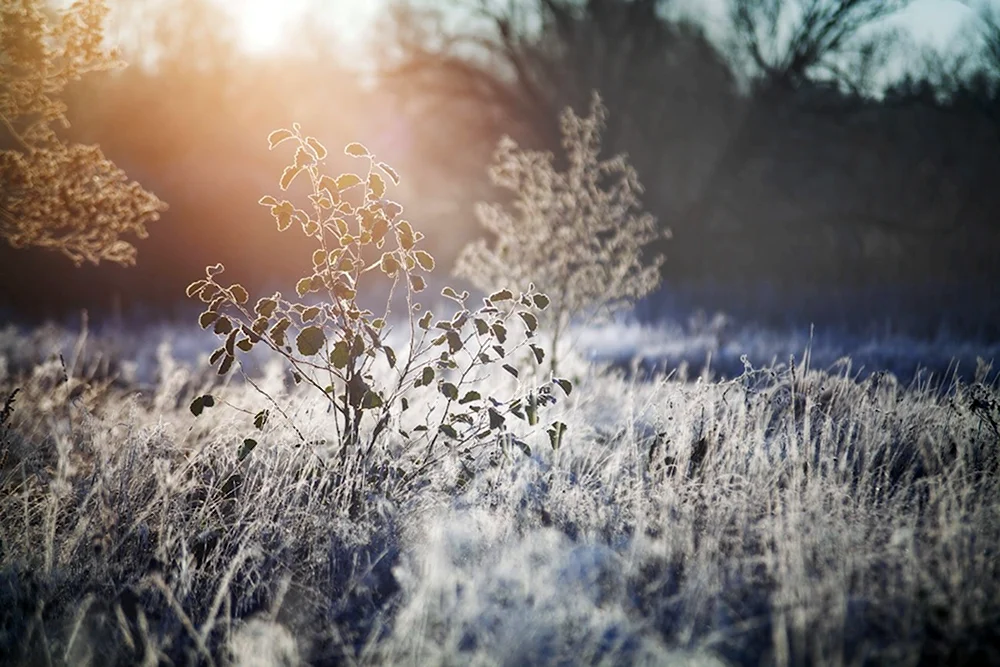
{"x":64,"y":197}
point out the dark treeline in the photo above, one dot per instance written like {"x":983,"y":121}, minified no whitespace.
{"x":809,"y":144}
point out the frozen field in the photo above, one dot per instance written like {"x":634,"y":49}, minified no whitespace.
{"x":757,"y":515}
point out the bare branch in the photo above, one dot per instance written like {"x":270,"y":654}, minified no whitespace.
{"x":787,"y":39}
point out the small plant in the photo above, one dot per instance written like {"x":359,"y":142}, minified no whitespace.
{"x":333,"y":343}
{"x":68,"y":198}
{"x":578,"y":235}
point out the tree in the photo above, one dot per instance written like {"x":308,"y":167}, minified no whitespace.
{"x":793,"y":41}
{"x":68,"y":198}
{"x":511,"y":67}
{"x":788,"y":47}
{"x":578,"y":235}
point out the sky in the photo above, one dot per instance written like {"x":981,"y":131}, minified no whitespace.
{"x":932,"y":22}
{"x":262,"y":21}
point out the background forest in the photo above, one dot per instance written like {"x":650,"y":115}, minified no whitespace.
{"x":819,"y":166}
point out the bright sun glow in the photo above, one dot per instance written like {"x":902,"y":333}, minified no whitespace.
{"x":264,"y":24}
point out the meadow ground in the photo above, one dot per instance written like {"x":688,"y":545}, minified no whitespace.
{"x":765,"y":513}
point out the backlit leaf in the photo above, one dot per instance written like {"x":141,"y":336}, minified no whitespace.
{"x":379,"y":229}
{"x":194,"y":288}
{"x":538,"y":352}
{"x":340,"y":355}
{"x":318,"y":148}
{"x":277,"y":137}
{"x":344,"y":291}
{"x":231,"y":342}
{"x":310,"y":341}
{"x":390,"y":172}
{"x":206,"y":318}
{"x":405,"y":233}
{"x":239,"y":293}
{"x":345,"y":181}
{"x":202,"y":402}
{"x":502,"y":295}
{"x":265,"y":307}
{"x":376,"y":185}
{"x":454,"y":341}
{"x":279,"y":329}
{"x":283,"y":215}
{"x":425,"y":260}
{"x":371,"y":400}
{"x":302,"y":158}
{"x":389,"y":264}
{"x":287,"y":176}
{"x":248,"y":446}
{"x":328,"y":184}
{"x":357,"y":150}
{"x":556,"y":432}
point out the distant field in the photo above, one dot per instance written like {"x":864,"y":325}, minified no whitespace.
{"x":782,"y":515}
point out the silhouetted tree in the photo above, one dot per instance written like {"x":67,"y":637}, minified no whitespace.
{"x":512,"y":67}
{"x":794,"y":41}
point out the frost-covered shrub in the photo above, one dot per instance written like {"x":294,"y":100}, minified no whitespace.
{"x":333,"y":343}
{"x":578,"y":234}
